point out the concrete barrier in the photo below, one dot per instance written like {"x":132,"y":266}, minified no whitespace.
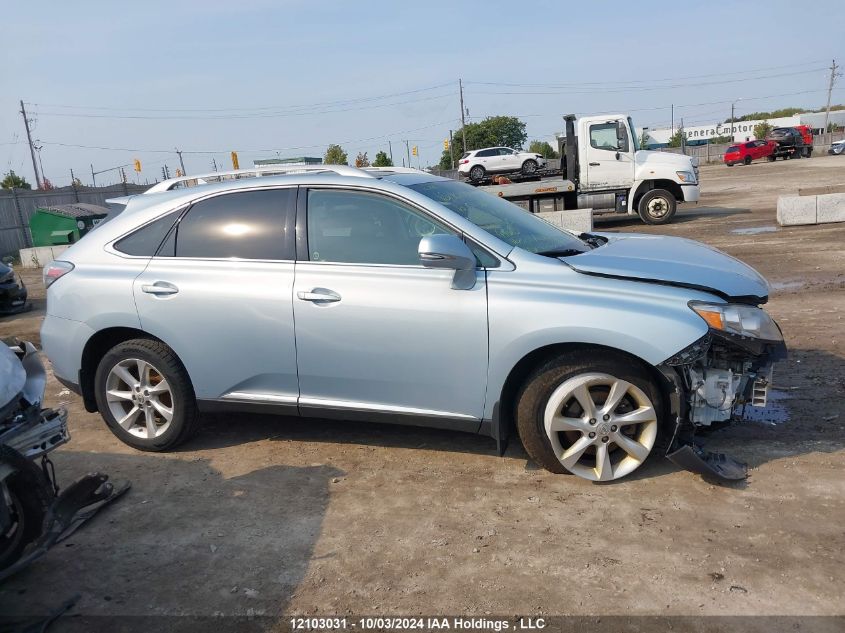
{"x":578,"y":220}
{"x":818,"y":209}
{"x":831,"y":208}
{"x":39,"y":256}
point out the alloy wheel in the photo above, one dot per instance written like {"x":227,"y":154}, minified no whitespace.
{"x":600,"y":427}
{"x":139,"y":397}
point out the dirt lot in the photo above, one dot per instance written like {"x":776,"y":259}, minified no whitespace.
{"x":274,"y":515}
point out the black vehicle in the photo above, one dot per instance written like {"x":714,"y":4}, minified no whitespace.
{"x":790,"y":143}
{"x":12,"y":291}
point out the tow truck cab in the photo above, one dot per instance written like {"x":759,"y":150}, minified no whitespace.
{"x":610,"y":174}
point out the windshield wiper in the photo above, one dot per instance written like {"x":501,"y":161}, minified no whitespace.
{"x":560,"y":252}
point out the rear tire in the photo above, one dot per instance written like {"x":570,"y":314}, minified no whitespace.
{"x":657,"y":206}
{"x":145,"y":395}
{"x":771,"y":158}
{"x":729,"y":164}
{"x":477,"y":172}
{"x":554,"y":426}
{"x":747,"y":161}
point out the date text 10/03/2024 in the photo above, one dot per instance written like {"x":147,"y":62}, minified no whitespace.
{"x":495,"y":625}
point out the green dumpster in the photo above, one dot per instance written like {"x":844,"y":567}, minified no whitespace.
{"x":64,"y":223}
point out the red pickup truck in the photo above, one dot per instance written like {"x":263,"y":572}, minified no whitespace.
{"x":746,"y":152}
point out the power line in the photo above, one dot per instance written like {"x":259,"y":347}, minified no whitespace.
{"x":276,"y":149}
{"x":640,"y":81}
{"x":568,"y":90}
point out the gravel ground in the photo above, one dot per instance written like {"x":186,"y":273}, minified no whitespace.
{"x":272,"y":516}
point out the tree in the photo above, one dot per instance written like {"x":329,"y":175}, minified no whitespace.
{"x":677,"y":139}
{"x":382,"y":160}
{"x":494,"y":131}
{"x":644,"y":139}
{"x":762,"y":129}
{"x":543,"y":148}
{"x":335,"y":156}
{"x":13,"y":181}
{"x":361,"y":160}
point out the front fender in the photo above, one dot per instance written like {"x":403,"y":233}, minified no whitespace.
{"x":646,"y":320}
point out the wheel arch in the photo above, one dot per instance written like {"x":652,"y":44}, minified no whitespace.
{"x":647,"y":185}
{"x":504,"y":420}
{"x":95,"y":348}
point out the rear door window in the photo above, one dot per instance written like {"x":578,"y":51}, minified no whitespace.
{"x":240,"y":225}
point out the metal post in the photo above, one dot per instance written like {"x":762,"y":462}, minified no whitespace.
{"x":73,"y":184}
{"x":829,"y":90}
{"x":408,"y":151}
{"x":31,"y":148}
{"x":451,"y":150}
{"x":463,"y":121}
{"x":93,"y":175}
{"x":390,"y":149}
{"x":181,"y":162}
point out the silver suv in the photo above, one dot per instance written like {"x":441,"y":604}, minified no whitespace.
{"x":398,"y":296}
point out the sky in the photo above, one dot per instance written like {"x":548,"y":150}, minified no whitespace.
{"x":108,"y":82}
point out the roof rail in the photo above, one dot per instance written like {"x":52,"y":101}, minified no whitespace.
{"x":394,"y":170}
{"x":255,"y":172}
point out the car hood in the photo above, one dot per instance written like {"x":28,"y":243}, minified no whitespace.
{"x":674,"y":261}
{"x":647,"y":159}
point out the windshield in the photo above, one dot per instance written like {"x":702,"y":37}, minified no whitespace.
{"x":502,"y":219}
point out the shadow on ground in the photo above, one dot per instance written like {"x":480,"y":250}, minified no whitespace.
{"x":682,"y":216}
{"x":184,"y":522}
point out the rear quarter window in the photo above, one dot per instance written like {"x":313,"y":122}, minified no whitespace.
{"x":144,"y":242}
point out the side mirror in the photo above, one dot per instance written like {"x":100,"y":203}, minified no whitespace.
{"x":449,"y":251}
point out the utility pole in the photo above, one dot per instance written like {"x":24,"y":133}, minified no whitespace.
{"x":93,"y":176}
{"x":463,"y":120}
{"x":451,"y":150}
{"x":390,"y":149}
{"x":214,"y":164}
{"x":408,"y":151}
{"x":32,"y":148}
{"x":673,"y":119}
{"x":833,"y":75}
{"x":181,"y":162}
{"x":732,"y":121}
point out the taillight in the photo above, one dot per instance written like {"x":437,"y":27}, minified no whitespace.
{"x":54,"y":270}
{"x":464,"y":161}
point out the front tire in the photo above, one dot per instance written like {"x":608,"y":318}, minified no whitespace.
{"x":477,"y":172}
{"x":26,"y":510}
{"x":658,"y":206}
{"x":595,"y":414}
{"x":529,"y":167}
{"x":747,"y":161}
{"x":145,"y":395}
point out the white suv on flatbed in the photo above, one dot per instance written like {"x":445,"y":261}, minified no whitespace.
{"x":476,"y":164}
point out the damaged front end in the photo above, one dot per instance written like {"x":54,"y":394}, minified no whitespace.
{"x":716,"y":378}
{"x":13,"y":292}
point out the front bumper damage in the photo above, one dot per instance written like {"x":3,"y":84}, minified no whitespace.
{"x":13,"y":294}
{"x":711,"y":382}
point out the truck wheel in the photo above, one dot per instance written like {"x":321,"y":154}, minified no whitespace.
{"x":658,"y":206}
{"x":729,"y":164}
{"x":772,"y":158}
{"x":595,"y":414}
{"x":529,"y":167}
{"x":796,"y":153}
{"x":476,"y":173}
{"x":808,"y":152}
{"x":747,"y":160}
{"x":145,"y":395}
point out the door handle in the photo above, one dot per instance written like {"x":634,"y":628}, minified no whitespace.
{"x":318,"y":295}
{"x":160,"y":288}
{"x":594,"y":164}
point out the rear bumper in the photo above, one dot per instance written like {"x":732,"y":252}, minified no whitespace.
{"x":63,"y":341}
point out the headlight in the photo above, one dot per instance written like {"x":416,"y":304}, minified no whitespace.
{"x":686,"y":176}
{"x":738,"y":319}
